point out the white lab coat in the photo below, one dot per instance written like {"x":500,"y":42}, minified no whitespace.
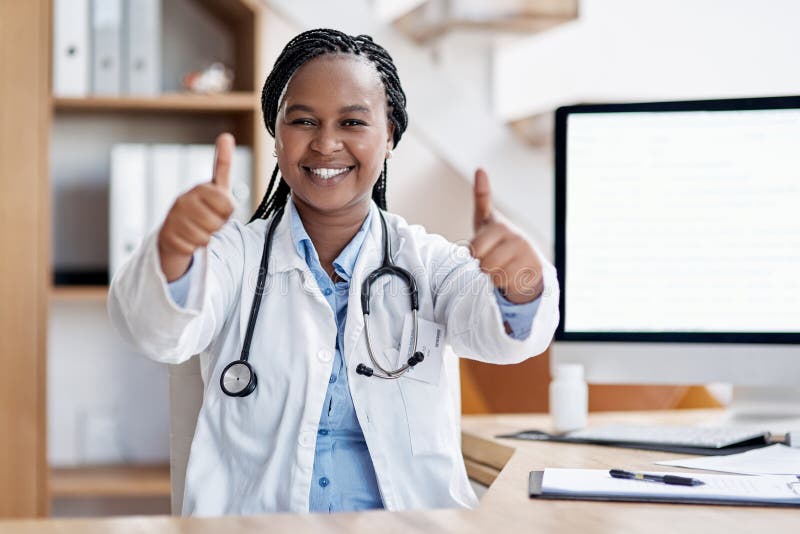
{"x":255,"y":454}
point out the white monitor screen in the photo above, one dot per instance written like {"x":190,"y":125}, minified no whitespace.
{"x":681,"y":222}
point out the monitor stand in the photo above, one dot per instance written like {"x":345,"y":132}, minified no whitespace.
{"x":763,"y":408}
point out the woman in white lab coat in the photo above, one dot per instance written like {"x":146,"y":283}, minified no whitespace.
{"x":318,"y":429}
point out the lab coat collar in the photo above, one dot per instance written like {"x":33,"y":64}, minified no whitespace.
{"x":284,"y":256}
{"x":346,"y":259}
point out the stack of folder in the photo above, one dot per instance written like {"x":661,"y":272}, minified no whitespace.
{"x":106,"y":47}
{"x":146,"y":180}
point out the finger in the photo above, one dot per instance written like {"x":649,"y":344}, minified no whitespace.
{"x":498,"y":263}
{"x":190,"y":232}
{"x":483,"y":199}
{"x":500,"y":257}
{"x":206,"y":217}
{"x":178,"y":244}
{"x":486,"y":239}
{"x":222,"y":160}
{"x":220,"y":203}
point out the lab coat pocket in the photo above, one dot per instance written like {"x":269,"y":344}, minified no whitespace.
{"x":428,"y":416}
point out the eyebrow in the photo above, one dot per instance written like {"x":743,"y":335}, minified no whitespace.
{"x":346,"y":109}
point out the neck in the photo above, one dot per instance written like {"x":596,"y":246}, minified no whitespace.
{"x":330,"y":232}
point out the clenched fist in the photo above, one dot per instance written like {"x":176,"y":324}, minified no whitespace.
{"x":502,"y":251}
{"x":197,"y":214}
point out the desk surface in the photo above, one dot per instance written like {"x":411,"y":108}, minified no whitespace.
{"x":504,"y":508}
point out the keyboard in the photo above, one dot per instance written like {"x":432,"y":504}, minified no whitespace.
{"x":687,"y":436}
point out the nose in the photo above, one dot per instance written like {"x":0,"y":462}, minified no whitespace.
{"x":326,"y":140}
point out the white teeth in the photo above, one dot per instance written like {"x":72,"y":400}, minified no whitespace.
{"x":329,"y":173}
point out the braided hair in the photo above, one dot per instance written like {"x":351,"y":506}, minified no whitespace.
{"x":298,"y":51}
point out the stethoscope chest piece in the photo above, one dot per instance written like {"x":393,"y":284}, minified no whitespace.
{"x":238,"y":379}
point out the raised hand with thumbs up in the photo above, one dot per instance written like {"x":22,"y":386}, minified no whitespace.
{"x":503,"y":252}
{"x":197,"y":214}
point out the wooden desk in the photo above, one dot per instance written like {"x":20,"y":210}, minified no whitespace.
{"x":504,"y":508}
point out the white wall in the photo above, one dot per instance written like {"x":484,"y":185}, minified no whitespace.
{"x":621,"y":50}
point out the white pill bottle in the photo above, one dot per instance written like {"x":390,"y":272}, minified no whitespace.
{"x":569,"y":397}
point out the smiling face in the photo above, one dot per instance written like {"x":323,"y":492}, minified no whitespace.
{"x":332,"y":133}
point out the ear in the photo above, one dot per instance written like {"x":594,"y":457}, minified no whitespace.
{"x":389,"y":135}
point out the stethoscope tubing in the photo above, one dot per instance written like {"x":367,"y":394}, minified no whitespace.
{"x":232,"y":372}
{"x":397,"y":372}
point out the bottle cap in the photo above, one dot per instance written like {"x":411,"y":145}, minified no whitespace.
{"x":568,"y":371}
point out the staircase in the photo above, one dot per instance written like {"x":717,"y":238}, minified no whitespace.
{"x":449,"y":102}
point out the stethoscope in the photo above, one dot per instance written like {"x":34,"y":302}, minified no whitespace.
{"x":238,"y":379}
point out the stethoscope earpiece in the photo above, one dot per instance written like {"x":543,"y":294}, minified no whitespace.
{"x":362,"y":369}
{"x":415,"y":359}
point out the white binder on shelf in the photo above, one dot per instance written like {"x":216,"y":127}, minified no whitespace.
{"x":164,"y":183}
{"x":106,"y":27}
{"x":71,"y":48}
{"x":142,"y":47}
{"x":242,"y":183}
{"x":127,"y":202}
{"x":200,"y":167}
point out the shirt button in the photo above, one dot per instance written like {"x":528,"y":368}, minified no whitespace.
{"x":324,"y":481}
{"x":332,"y":379}
{"x":323,"y":432}
{"x":325,"y":355}
{"x":327,"y":291}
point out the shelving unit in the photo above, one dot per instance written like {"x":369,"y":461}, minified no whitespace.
{"x":241,"y":101}
{"x":240,"y":111}
{"x":110,"y":481}
{"x":79,"y":293}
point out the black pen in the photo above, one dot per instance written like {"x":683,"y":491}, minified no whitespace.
{"x":663,"y":479}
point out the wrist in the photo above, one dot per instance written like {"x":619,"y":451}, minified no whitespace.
{"x":524,"y":295}
{"x":173,"y":264}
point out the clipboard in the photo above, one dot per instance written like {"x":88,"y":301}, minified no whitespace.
{"x":536,"y":491}
{"x":539,"y":435}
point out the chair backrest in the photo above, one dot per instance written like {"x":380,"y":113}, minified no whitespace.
{"x":186,"y":398}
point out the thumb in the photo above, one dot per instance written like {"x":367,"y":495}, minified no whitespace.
{"x":483,"y":199}
{"x":222,"y":160}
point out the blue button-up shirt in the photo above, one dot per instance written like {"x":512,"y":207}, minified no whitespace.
{"x":344,"y":477}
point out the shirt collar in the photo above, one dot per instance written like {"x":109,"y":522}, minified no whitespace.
{"x":345,"y":261}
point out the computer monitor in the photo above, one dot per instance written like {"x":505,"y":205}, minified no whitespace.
{"x":678,"y":241}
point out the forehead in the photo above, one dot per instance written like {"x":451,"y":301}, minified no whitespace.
{"x":334,"y":81}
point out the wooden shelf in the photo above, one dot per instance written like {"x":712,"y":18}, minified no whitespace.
{"x":242,"y":101}
{"x":110,"y":481}
{"x":79,"y":293}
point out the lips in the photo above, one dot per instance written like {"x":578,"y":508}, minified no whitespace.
{"x":327,"y":175}
{"x":327,"y":172}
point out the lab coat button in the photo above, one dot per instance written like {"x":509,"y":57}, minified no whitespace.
{"x":306,"y":439}
{"x":325,"y":355}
